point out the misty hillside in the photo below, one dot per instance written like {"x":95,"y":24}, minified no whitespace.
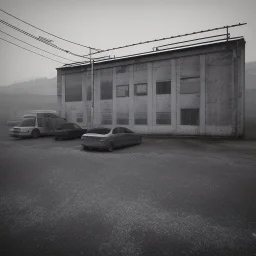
{"x":16,"y":105}
{"x":43,"y":86}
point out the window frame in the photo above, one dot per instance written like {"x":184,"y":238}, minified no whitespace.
{"x":136,"y":91}
{"x":118,"y":87}
{"x":189,"y":124}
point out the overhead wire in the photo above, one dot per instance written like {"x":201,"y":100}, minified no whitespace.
{"x":40,"y":40}
{"x":30,"y":51}
{"x":88,"y":47}
{"x":34,"y":46}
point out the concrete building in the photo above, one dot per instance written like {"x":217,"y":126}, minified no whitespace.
{"x":191,"y":91}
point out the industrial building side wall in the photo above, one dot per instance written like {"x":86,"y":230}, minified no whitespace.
{"x":206,"y":95}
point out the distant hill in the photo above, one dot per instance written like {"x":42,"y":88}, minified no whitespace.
{"x":16,"y":105}
{"x":250,"y":75}
{"x":40,"y":86}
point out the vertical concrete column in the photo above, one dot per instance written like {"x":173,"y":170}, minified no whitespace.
{"x":63,"y":107}
{"x":242,"y":91}
{"x":84,"y":99}
{"x":97,"y":101}
{"x":150,"y":109}
{"x":131,"y":97}
{"x":177,"y":95}
{"x":114,"y":98}
{"x":154,"y":126}
{"x":202,"y":113}
{"x":174,"y":95}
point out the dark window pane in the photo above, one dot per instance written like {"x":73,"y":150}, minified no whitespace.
{"x":77,"y":126}
{"x":106,"y":90}
{"x":73,"y":87}
{"x":67,"y":126}
{"x":163,"y":87}
{"x":140,"y":89}
{"x":122,"y":91}
{"x":190,"y":116}
{"x":127,"y":130}
{"x":163,"y":118}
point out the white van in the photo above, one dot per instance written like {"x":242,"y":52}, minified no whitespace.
{"x":37,"y":123}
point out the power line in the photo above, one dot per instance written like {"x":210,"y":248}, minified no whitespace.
{"x":40,"y":40}
{"x":88,"y":47}
{"x":34,"y":46}
{"x":166,"y":38}
{"x":31,"y":51}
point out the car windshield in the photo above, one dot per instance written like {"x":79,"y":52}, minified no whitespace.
{"x":100,"y":131}
{"x":27,"y":122}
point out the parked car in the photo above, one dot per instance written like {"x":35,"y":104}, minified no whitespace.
{"x":37,"y":123}
{"x":108,"y":139}
{"x":69,"y":131}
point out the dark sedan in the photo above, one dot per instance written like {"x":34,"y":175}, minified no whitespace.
{"x":106,"y":138}
{"x":69,"y":131}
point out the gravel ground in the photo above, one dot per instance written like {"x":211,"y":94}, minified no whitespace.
{"x":164,"y":197}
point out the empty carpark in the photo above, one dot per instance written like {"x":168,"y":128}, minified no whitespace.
{"x":164,"y":197}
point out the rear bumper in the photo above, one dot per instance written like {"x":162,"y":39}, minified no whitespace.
{"x":95,"y":144}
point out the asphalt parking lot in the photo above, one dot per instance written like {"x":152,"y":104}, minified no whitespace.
{"x":163,"y":197}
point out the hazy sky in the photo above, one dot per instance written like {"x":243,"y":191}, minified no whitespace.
{"x":109,"y":23}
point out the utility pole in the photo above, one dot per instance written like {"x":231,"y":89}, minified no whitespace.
{"x":92,"y":88}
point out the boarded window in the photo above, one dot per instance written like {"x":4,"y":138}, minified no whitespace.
{"x":122,"y":91}
{"x":190,"y":85}
{"x":73,"y":87}
{"x":163,"y":118}
{"x":163,"y":87}
{"x":140,"y":118}
{"x":106,"y":90}
{"x":79,"y":117}
{"x":121,"y":69}
{"x":140,"y":89}
{"x":106,"y":118}
{"x":123,"y":118}
{"x":190,"y":116}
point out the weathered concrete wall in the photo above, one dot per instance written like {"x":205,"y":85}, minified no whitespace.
{"x":208,"y":81}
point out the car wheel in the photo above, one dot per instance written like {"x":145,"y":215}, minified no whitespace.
{"x":139,"y":141}
{"x":35,"y":133}
{"x":85,"y":148}
{"x":110,"y":147}
{"x":56,"y":138}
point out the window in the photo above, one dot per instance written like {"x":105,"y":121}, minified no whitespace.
{"x":140,"y":89}
{"x":79,"y":117}
{"x":163,"y":87}
{"x":140,"y":118}
{"x":123,"y":118}
{"x":28,"y":122}
{"x":122,"y":91}
{"x":106,"y":118}
{"x":73,"y":87}
{"x":106,"y":90}
{"x":190,"y":85}
{"x":121,"y":69}
{"x":128,"y":131}
{"x":190,"y":116}
{"x":102,"y":131}
{"x":40,"y":122}
{"x":118,"y":130}
{"x":77,"y":127}
{"x":163,"y":118}
{"x":52,"y":115}
{"x":67,"y":126}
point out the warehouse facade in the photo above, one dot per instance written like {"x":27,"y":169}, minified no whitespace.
{"x":192,"y":91}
